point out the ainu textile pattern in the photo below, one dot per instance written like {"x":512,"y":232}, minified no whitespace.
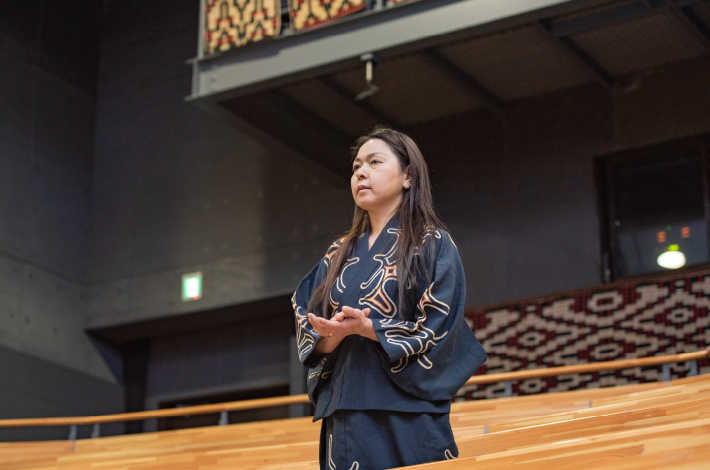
{"x":306,"y":14}
{"x":385,"y":403}
{"x":394,"y":440}
{"x":632,"y":321}
{"x":423,"y":356}
{"x":234,"y":23}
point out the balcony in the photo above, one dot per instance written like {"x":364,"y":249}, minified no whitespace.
{"x":437,"y":58}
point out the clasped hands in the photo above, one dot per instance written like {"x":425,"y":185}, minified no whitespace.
{"x":349,"y":321}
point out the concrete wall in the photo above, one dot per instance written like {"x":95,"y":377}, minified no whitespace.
{"x":252,"y":355}
{"x":36,"y":388}
{"x":47,"y":78}
{"x":180,"y":188}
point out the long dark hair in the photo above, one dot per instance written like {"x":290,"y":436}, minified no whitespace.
{"x":416,"y":217}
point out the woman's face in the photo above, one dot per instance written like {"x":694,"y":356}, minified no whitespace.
{"x":378,"y":180}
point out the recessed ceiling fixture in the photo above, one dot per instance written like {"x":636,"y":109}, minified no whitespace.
{"x":672,"y":259}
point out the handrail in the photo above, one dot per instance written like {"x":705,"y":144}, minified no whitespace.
{"x":300,"y":399}
{"x":165,"y":413}
{"x":586,"y":368}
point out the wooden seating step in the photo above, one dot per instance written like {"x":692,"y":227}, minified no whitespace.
{"x":554,"y":399}
{"x":298,"y":429}
{"x":25,"y":452}
{"x":652,"y":448}
{"x":646,"y":455}
{"x":491,"y":443}
{"x":244,"y":434}
{"x":640,"y":403}
{"x":664,"y":392}
{"x":281,"y":443}
{"x":656,"y":447}
{"x":226,"y":458}
{"x":587,"y":426}
{"x":543,"y":408}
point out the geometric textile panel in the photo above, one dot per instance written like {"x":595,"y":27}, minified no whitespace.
{"x":306,"y":14}
{"x":629,"y":321}
{"x":233,"y":23}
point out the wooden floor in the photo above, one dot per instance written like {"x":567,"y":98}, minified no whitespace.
{"x":648,"y":426}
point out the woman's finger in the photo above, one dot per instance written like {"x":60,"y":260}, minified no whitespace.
{"x":314,"y":320}
{"x":319,"y":324}
{"x":353,"y":312}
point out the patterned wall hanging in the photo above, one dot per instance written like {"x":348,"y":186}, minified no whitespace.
{"x":233,"y":23}
{"x":306,"y":14}
{"x":631,"y":321}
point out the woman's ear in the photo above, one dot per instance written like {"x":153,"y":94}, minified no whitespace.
{"x":408,"y":177}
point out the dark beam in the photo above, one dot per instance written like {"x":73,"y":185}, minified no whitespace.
{"x":374,"y":114}
{"x":464,"y":78}
{"x":297,"y":127}
{"x":604,"y":17}
{"x":129,"y":333}
{"x":693,"y":23}
{"x":615,"y":13}
{"x":572,"y":50}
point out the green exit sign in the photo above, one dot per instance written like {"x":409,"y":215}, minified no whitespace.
{"x":191,"y":286}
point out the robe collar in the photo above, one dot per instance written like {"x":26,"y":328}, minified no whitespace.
{"x":384,"y":239}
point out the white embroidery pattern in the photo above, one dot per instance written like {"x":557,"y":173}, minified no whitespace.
{"x":332,"y":249}
{"x":416,"y":339}
{"x":304,"y":337}
{"x":449,"y":455}
{"x":331,"y":464}
{"x":429,"y":230}
{"x":317,"y":373}
{"x":339,"y":283}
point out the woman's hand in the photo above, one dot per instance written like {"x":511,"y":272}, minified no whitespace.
{"x":329,"y":340}
{"x":349,"y":321}
{"x":358,"y":322}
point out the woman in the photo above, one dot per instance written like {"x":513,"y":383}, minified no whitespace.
{"x":380,"y":322}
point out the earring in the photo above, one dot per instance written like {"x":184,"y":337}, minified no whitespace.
{"x":406,"y":186}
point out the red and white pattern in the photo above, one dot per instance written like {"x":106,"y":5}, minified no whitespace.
{"x":234,"y":23}
{"x":635,"y":320}
{"x":308,"y":14}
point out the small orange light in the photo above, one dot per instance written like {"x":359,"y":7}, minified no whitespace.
{"x":685,"y":232}
{"x":661,"y":237}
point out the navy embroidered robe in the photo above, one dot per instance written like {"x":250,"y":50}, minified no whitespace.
{"x":423,"y":357}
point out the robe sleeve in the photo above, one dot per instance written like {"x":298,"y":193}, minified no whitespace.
{"x":306,"y":335}
{"x":319,"y":366}
{"x":432,"y":356}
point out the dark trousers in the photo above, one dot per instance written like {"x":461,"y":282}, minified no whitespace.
{"x":377,"y":440}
